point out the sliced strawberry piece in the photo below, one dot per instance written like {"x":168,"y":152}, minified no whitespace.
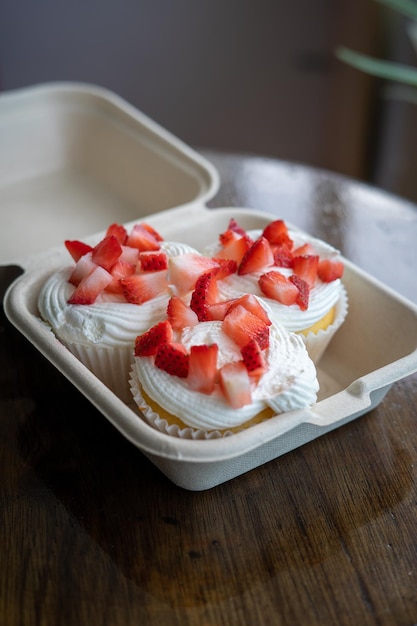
{"x":152,"y":231}
{"x":228,"y":236}
{"x":120,"y":269}
{"x":226,"y":267}
{"x":185,"y":269}
{"x":141,"y":238}
{"x":236,"y":227}
{"x":329,"y":270}
{"x":303,"y":296}
{"x":119,"y":231}
{"x":235,"y":384}
{"x":235,"y":248}
{"x":77,"y":249}
{"x":283,"y":257}
{"x":202,"y":371}
{"x":257,"y":258}
{"x":140,"y":288}
{"x":204,"y":294}
{"x":305,"y":266}
{"x":130,"y":255}
{"x":180,"y":314}
{"x":252,"y":304}
{"x":106,"y":252}
{"x":91,"y":286}
{"x":254,"y":358}
{"x":278,"y":287}
{"x":217,"y":311}
{"x":151,"y":261}
{"x":83,"y":268}
{"x":149,"y":342}
{"x":304,"y":249}
{"x":241,"y":325}
{"x":173,"y":359}
{"x":277,"y":233}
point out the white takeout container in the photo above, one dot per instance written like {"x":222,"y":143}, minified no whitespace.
{"x":73,"y":159}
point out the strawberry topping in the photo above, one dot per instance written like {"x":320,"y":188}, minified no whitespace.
{"x":106,"y":252}
{"x":202,"y":372}
{"x":204,"y":294}
{"x":180,"y":314}
{"x":149,"y":343}
{"x":77,"y":249}
{"x":329,"y":270}
{"x":173,"y":359}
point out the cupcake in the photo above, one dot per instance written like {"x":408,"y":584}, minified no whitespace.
{"x":297,"y":276}
{"x":97,"y":305}
{"x":193,"y":377}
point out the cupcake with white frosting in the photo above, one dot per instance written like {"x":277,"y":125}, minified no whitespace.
{"x":299,"y":278}
{"x":97,"y":305}
{"x":199,"y":378}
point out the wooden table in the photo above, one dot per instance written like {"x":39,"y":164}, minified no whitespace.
{"x":92,"y":533}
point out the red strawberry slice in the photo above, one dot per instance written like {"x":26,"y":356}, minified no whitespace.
{"x":180,"y":314}
{"x":91,"y":286}
{"x":152,"y":231}
{"x":236,"y":227}
{"x":241,"y":325}
{"x":151,"y":261}
{"x":149,"y":342}
{"x":77,"y":249}
{"x":304,"y":249}
{"x":119,"y":231}
{"x":185,"y":269}
{"x":141,"y":238}
{"x":202,"y":371}
{"x":83,"y":268}
{"x":252,"y":304}
{"x":278,"y":287}
{"x":226,"y":267}
{"x":257,"y":258}
{"x":106,"y":252}
{"x":235,"y":384}
{"x":329,"y":270}
{"x":254,"y":359}
{"x":283,"y":257}
{"x":130,"y":255}
{"x":217,"y":311}
{"x":204,"y":294}
{"x":303,"y":296}
{"x":173,"y":359}
{"x":120,"y":269}
{"x":141,"y":288}
{"x":235,"y":248}
{"x":305,"y":266}
{"x":277,"y":233}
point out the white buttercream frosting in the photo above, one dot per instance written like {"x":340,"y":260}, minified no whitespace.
{"x":110,"y":321}
{"x":323,"y":296}
{"x":290,"y":382}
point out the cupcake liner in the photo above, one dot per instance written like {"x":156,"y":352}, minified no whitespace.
{"x":110,"y":365}
{"x":316,"y":343}
{"x":161,"y":424}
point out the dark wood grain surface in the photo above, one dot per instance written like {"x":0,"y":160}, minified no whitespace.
{"x":92,"y":533}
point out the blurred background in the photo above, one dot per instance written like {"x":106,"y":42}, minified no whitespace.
{"x":233,"y":75}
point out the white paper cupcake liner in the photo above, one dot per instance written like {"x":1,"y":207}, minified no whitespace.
{"x":110,"y":365}
{"x":161,"y":424}
{"x":316,"y":343}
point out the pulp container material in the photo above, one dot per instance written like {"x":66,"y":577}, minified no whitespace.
{"x":94,"y":160}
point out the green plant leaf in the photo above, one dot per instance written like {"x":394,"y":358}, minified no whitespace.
{"x":405,"y":7}
{"x":376,"y":67}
